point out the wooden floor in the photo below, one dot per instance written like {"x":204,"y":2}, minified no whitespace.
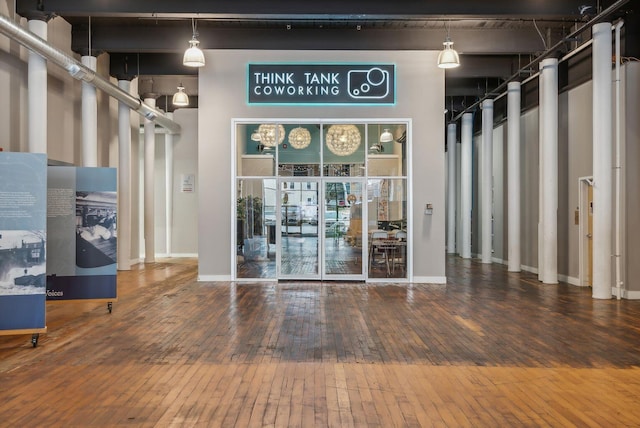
{"x":490,"y":349}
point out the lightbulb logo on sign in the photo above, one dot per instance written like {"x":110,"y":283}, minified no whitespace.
{"x":321,"y":84}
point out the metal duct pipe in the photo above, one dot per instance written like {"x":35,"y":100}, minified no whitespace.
{"x":549,"y":52}
{"x":78,"y":71}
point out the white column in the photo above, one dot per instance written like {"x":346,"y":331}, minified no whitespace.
{"x":548,"y":234}
{"x":168,"y":154}
{"x":149,"y":186}
{"x":451,"y":196}
{"x":124,"y":181}
{"x":602,"y":161}
{"x":37,"y":94}
{"x":513,"y":175}
{"x":465,"y":183}
{"x":89,"y":117}
{"x":487,"y":182}
{"x":458,"y":202}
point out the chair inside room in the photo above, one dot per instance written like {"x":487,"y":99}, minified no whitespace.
{"x":377,"y":239}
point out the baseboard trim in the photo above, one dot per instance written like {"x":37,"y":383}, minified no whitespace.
{"x":569,"y":280}
{"x":430,"y":279}
{"x":529,"y":269}
{"x":214,"y":278}
{"x":626,"y":294}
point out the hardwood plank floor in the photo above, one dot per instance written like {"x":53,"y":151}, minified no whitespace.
{"x":488,"y":349}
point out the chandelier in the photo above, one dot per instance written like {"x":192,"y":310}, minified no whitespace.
{"x":299,"y":138}
{"x":268,"y":134}
{"x":343,"y":140}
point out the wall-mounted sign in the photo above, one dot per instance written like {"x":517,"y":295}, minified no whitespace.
{"x":188,"y":183}
{"x":321,"y":84}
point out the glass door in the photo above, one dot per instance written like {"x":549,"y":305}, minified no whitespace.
{"x":299,"y":256}
{"x":342,"y":224}
{"x":324,"y":200}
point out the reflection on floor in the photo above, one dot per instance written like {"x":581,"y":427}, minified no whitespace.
{"x":257,"y":259}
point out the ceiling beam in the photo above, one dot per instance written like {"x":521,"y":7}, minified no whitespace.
{"x":171,"y":38}
{"x":362,"y":9}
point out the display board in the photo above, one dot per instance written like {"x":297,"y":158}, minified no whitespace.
{"x":23,"y":238}
{"x":81,"y":221}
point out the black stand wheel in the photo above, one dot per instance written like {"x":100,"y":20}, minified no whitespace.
{"x":110,"y":307}
{"x":34,"y":339}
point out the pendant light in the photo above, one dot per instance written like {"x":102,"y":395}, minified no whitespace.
{"x":386,"y":136}
{"x":193,"y":57}
{"x":255,"y":136}
{"x":448,"y":57}
{"x":343,"y":140}
{"x":180,"y":98}
{"x":299,"y":138}
{"x":271,"y":135}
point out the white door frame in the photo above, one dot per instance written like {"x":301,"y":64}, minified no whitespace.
{"x":365,"y":121}
{"x":583,"y":229}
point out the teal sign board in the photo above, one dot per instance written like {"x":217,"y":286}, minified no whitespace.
{"x":321,"y":84}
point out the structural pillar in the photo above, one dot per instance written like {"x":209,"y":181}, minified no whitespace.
{"x":458,"y":200}
{"x":548,"y":221}
{"x":124,"y":181}
{"x":168,"y":154}
{"x":602,"y":162}
{"x":149,"y":184}
{"x":513,"y":176}
{"x":451,"y":195}
{"x":37,"y":93}
{"x":465,"y":184}
{"x":486,"y":182}
{"x":89,"y":117}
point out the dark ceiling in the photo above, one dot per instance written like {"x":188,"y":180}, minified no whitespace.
{"x":495,"y":38}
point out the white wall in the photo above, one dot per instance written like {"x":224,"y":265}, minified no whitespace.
{"x":631,"y":179}
{"x":420,"y":96}
{"x":184,"y":234}
{"x":185,"y":205}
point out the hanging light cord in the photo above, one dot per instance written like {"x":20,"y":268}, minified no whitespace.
{"x":193,"y":27}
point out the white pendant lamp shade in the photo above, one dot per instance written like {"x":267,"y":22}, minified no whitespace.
{"x":386,"y":136}
{"x":343,"y":140}
{"x":180,"y":98}
{"x":255,"y":136}
{"x":193,"y":57}
{"x":299,"y":138}
{"x":448,"y":57}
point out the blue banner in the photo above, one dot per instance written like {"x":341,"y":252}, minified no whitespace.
{"x":83,"y":230}
{"x":23,"y":239}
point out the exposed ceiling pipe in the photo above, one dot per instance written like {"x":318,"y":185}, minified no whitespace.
{"x":78,"y":71}
{"x":551,"y":51}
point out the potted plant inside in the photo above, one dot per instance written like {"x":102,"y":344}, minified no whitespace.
{"x":249,"y":225}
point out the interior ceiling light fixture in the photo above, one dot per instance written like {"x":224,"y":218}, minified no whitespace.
{"x":193,"y":56}
{"x":343,"y":140}
{"x":299,"y":138}
{"x":255,"y":136}
{"x":448,"y":57}
{"x":386,"y":136}
{"x":269,"y":134}
{"x":180,"y":98}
